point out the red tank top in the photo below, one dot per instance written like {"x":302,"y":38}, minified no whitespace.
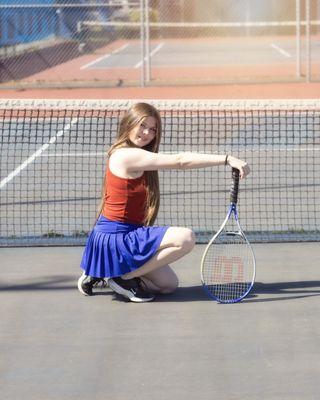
{"x":125,"y":199}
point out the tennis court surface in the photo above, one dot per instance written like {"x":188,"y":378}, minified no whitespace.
{"x":180,"y":61}
{"x":58,"y":344}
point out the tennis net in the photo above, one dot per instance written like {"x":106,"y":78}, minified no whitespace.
{"x":53,"y":156}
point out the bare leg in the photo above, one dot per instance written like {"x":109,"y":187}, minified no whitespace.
{"x":162,"y":280}
{"x":176,"y":243}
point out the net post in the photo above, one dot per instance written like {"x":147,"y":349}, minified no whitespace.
{"x":298,"y":38}
{"x":308,"y":52}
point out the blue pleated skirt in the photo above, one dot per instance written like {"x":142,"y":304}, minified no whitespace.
{"x":116,"y":248}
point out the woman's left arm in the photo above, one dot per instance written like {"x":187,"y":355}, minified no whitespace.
{"x":196,"y":160}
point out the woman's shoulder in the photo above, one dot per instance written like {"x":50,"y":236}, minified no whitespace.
{"x":120,"y":160}
{"x":123,"y":153}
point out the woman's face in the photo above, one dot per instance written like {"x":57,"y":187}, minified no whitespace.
{"x":142,"y":134}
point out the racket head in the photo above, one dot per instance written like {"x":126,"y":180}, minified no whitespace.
{"x":228,"y":267}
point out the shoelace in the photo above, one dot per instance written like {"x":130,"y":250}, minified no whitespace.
{"x":102,"y":283}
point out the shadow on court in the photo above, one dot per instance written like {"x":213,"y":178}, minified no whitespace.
{"x":271,"y":291}
{"x":283,"y":291}
{"x":58,"y":344}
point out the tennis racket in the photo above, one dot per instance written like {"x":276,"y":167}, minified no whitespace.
{"x":228,"y":262}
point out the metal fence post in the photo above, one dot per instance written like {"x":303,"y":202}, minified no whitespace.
{"x":147,"y":30}
{"x":308,"y":47}
{"x":298,"y":38}
{"x":142,"y":43}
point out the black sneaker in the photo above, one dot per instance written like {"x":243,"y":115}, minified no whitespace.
{"x":87,"y":283}
{"x":132,"y":289}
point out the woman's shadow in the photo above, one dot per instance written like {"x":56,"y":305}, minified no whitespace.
{"x":261,"y":292}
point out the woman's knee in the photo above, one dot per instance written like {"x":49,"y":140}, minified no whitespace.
{"x":188,"y":240}
{"x":179,"y":237}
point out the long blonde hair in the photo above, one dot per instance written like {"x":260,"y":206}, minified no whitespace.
{"x":130,"y":120}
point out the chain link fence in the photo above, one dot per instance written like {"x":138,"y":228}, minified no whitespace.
{"x":63,"y":43}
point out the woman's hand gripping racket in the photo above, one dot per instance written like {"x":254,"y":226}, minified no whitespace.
{"x":228,"y":263}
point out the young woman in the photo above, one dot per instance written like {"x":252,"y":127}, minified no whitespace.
{"x":124,"y":246}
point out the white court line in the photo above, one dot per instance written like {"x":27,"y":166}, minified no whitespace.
{"x":36,"y":154}
{"x":90,"y":64}
{"x":280,"y":50}
{"x":151,"y":54}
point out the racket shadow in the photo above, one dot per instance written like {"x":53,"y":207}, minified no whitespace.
{"x":261,"y":292}
{"x":277,"y":291}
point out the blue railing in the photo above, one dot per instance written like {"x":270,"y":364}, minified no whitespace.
{"x":26,"y":21}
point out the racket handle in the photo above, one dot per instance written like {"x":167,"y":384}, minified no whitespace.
{"x":234,"y":186}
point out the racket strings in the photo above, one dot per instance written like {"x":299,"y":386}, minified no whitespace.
{"x":228,"y":267}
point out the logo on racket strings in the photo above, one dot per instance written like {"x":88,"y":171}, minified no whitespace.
{"x":228,"y":269}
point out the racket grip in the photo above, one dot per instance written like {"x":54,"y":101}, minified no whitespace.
{"x":234,"y":186}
